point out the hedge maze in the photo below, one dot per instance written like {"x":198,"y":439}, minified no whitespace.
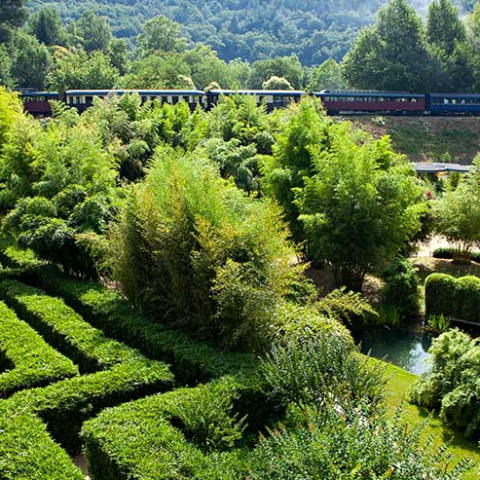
{"x":81,"y":370}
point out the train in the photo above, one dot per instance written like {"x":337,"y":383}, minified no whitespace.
{"x":335,"y":102}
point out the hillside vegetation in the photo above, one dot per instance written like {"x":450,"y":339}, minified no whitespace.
{"x":247,"y":29}
{"x":436,"y":139}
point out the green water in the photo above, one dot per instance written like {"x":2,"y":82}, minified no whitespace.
{"x":407,"y":349}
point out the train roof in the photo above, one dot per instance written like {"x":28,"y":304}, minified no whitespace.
{"x":274,"y":93}
{"x":38,"y":94}
{"x":456,"y":95}
{"x":140,"y":92}
{"x":362,"y":93}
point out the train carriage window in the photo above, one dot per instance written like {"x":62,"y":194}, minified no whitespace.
{"x":186,"y":98}
{"x":88,"y":99}
{"x":174,"y":99}
{"x":164,"y":99}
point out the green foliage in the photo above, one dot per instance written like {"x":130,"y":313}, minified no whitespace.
{"x":457,"y":212}
{"x":401,"y":287}
{"x":47,"y":27}
{"x":438,"y":323}
{"x":277,"y":83}
{"x":66,"y":330}
{"x":13,"y":14}
{"x":453,"y":297}
{"x":191,"y":360}
{"x":450,"y":253}
{"x":392,"y":55}
{"x":288,"y":68}
{"x":319,"y":374}
{"x":344,"y":447}
{"x":292,"y":158}
{"x":80,"y":70}
{"x":212,"y":261}
{"x":360,"y":205}
{"x":174,"y":433}
{"x":327,"y":76}
{"x":27,"y":452}
{"x":65,"y":405}
{"x":30,"y":62}
{"x":160,"y":35}
{"x":94,"y":31}
{"x":452,"y":384}
{"x":58,"y":189}
{"x":28,"y":360}
{"x":346,"y":306}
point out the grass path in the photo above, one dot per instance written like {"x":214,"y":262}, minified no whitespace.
{"x":398,"y":385}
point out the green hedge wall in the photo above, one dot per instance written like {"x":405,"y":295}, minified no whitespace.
{"x":453,"y":297}
{"x":168,"y":433}
{"x":65,"y":329}
{"x":31,"y":360}
{"x":65,"y":405}
{"x":27,"y":452}
{"x":192,"y":362}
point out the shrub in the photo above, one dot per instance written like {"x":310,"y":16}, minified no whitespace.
{"x":201,"y":255}
{"x":27,"y":452}
{"x":29,"y":361}
{"x":346,"y":447}
{"x":321,"y":373}
{"x":67,"y":330}
{"x":65,"y":405}
{"x":449,"y":253}
{"x":452,"y":384}
{"x":453,"y":297}
{"x":401,"y":287}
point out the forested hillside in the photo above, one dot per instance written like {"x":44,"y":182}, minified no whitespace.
{"x":247,"y":29}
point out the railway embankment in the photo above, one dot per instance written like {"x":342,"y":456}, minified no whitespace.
{"x":423,"y":139}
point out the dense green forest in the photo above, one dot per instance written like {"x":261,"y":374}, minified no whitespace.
{"x":248,"y":29}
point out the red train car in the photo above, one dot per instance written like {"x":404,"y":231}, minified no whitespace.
{"x":372,"y":102}
{"x":38,"y":103}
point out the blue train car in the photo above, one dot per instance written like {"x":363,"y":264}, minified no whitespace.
{"x":453,"y":103}
{"x":271,"y":98}
{"x":82,"y":99}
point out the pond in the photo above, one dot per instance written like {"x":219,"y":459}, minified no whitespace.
{"x":407,"y":349}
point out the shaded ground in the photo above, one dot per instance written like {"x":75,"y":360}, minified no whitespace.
{"x":436,"y":139}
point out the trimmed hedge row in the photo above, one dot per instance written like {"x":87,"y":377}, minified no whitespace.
{"x":449,"y":253}
{"x":192,"y":362}
{"x":28,"y":360}
{"x":66,"y":330}
{"x":453,"y":297}
{"x":27,"y":452}
{"x":65,"y":405}
{"x":167,"y":436}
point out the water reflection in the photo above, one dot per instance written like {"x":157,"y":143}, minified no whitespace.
{"x":408,"y":350}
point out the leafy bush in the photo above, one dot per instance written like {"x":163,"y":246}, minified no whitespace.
{"x":67,"y":330}
{"x":65,"y":405}
{"x":452,"y":384}
{"x":321,"y":373}
{"x":192,"y":361}
{"x":453,"y":297}
{"x":199,"y":254}
{"x":401,"y":287}
{"x":344,"y":447}
{"x":27,"y":452}
{"x":29,"y":361}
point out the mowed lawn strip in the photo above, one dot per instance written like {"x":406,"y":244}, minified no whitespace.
{"x":397,"y":388}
